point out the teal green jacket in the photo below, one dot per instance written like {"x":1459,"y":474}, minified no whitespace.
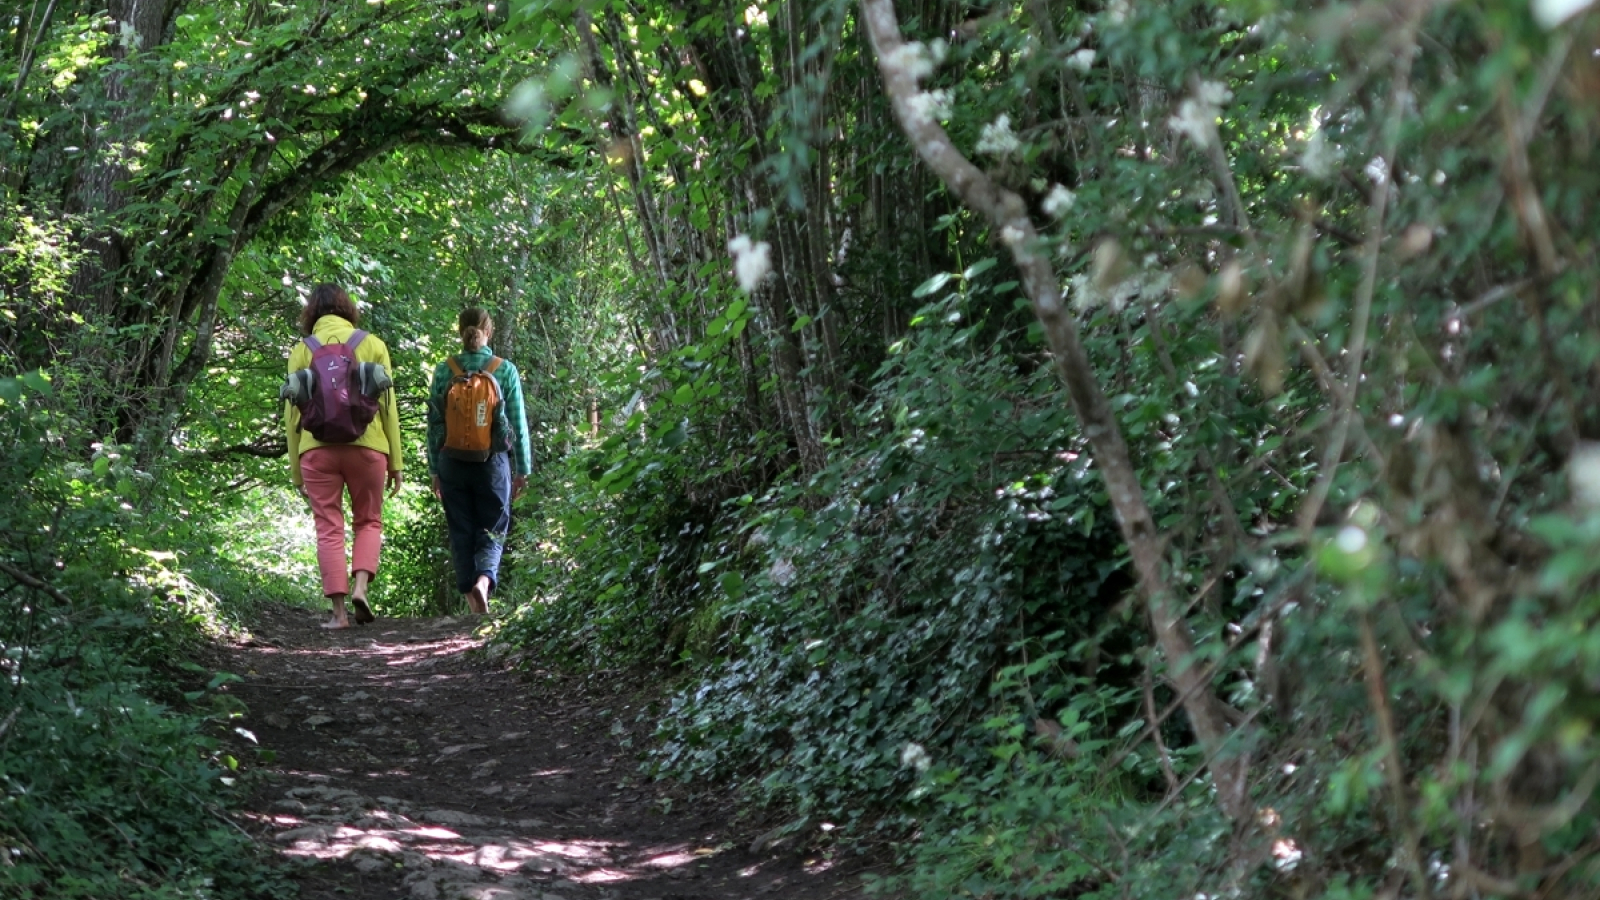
{"x":511,"y":401}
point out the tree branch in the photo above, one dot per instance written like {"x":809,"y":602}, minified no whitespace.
{"x":29,"y":581}
{"x":1008,"y":213}
{"x":264,"y":447}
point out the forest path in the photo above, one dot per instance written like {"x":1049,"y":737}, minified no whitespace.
{"x":407,"y":767}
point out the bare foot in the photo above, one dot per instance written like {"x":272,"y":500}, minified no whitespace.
{"x":335,"y":624}
{"x":478,"y":599}
{"x":363,"y":611}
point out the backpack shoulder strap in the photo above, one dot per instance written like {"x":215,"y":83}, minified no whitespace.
{"x":455,"y":366}
{"x":311,"y":341}
{"x":494,"y":363}
{"x":356,"y":337}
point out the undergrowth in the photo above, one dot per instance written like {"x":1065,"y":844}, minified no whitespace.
{"x":114,"y":778}
{"x":885,"y":640}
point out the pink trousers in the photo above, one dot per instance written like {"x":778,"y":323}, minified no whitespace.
{"x":327,"y":472}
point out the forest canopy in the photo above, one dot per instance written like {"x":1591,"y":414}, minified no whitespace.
{"x":1076,"y":448}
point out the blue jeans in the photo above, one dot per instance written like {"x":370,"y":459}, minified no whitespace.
{"x":477,"y":510}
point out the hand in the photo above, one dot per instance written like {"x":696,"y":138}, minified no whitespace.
{"x":438,"y":493}
{"x":304,"y":494}
{"x":518,"y":485}
{"x":394,"y":483}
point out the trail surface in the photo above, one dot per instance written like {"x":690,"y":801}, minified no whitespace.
{"x":408,"y":767}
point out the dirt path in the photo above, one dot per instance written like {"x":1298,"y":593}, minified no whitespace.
{"x":407,"y":767}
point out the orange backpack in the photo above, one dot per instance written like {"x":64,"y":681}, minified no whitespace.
{"x":471,"y":407}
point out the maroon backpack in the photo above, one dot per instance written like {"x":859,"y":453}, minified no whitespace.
{"x":338,"y":404}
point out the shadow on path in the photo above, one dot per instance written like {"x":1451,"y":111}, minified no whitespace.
{"x":407,"y":768}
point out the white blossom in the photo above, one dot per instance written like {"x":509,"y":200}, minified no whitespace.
{"x":1286,"y":854}
{"x":1197,"y":115}
{"x":1081,"y":60}
{"x":1058,"y":202}
{"x":1550,"y":13}
{"x":1195,"y":120}
{"x":925,"y":107}
{"x":1213,"y":93}
{"x":997,"y":138}
{"x":1319,"y":158}
{"x":752,"y":260}
{"x":527,"y":102}
{"x":1085,"y":295}
{"x":913,"y":59}
{"x":1583,"y":473}
{"x":913,"y":756}
{"x":1117,"y":11}
{"x":1377,"y":169}
{"x":1012,"y":236}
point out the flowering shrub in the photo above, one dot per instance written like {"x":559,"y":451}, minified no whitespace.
{"x":1318,"y":284}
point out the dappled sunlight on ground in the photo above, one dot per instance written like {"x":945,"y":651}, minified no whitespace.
{"x":409,"y":769}
{"x":340,"y":824}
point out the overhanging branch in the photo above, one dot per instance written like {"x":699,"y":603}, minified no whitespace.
{"x":267,"y":446}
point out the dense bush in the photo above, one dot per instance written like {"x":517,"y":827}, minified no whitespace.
{"x":1319,"y":280}
{"x":114,"y":781}
{"x":1330,"y":270}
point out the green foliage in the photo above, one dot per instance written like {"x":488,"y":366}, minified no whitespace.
{"x":1333,"y":268}
{"x":1341,"y":301}
{"x":871,"y":604}
{"x":106,"y":789}
{"x":601,"y":518}
{"x":416,"y":576}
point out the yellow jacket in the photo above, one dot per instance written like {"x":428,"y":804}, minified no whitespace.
{"x":383,"y":435}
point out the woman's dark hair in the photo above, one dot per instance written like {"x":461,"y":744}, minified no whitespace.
{"x":328,"y":300}
{"x":475,"y":327}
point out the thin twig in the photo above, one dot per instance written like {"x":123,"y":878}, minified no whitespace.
{"x":1248,"y":628}
{"x":1378,"y":697}
{"x":1220,"y":496}
{"x":127,"y":838}
{"x":1205,"y":765}
{"x":1492,"y":296}
{"x":1584,"y":854}
{"x":1549,"y":75}
{"x":1330,"y":383}
{"x":27,"y":580}
{"x":1378,"y":214}
{"x":1161,"y":747}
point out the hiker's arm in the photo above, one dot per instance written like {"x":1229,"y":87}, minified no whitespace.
{"x":441,"y":380}
{"x":389,"y":411}
{"x":517,"y":418}
{"x":291,"y":428}
{"x":299,"y":358}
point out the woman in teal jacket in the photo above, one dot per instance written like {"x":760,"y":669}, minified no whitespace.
{"x":477,"y":494}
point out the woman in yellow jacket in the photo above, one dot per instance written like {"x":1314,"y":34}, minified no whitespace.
{"x":323,"y":471}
